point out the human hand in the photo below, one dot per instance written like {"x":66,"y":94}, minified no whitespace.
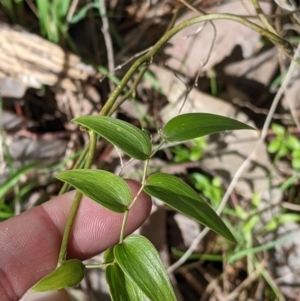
{"x":30,"y":242}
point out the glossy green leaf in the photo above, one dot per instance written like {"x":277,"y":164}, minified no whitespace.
{"x":70,"y":273}
{"x":140,"y":261}
{"x":121,"y":287}
{"x":131,"y":140}
{"x":101,"y":186}
{"x":180,"y":196}
{"x":193,"y":125}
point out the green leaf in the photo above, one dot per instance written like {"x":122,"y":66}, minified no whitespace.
{"x":241,"y":213}
{"x":70,"y":273}
{"x":274,"y":146}
{"x":296,"y":164}
{"x":193,"y":125}
{"x":101,"y":186}
{"x":180,"y":196}
{"x":283,"y":151}
{"x":63,"y":8}
{"x":278,"y":129}
{"x":293,"y":143}
{"x":108,"y":255}
{"x":140,"y":261}
{"x":281,"y":219}
{"x":131,"y":140}
{"x":121,"y":287}
{"x":296,"y":153}
{"x":255,"y":200}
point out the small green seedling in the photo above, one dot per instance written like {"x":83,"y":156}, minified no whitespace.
{"x":212,"y":189}
{"x":191,"y":152}
{"x":285,"y":145}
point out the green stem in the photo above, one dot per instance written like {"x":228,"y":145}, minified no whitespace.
{"x":175,"y":13}
{"x":271,"y":36}
{"x":263,"y":18}
{"x":123,"y":226}
{"x":76,"y":166}
{"x":130,"y":92}
{"x":68,"y":227}
{"x":120,"y":87}
{"x":133,"y":202}
{"x":142,"y":186}
{"x":96,"y":266}
{"x":76,"y":202}
{"x":163,"y":141}
{"x":91,"y":151}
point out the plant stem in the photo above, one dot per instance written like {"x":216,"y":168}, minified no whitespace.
{"x":76,"y":202}
{"x":175,"y":14}
{"x":120,"y":87}
{"x":130,"y":92}
{"x":95,"y":266}
{"x":142,"y":186}
{"x":91,"y":150}
{"x":76,"y":166}
{"x":123,"y":226}
{"x":68,"y":227}
{"x":271,"y":36}
{"x":133,"y":201}
{"x":163,"y":141}
{"x":263,"y":18}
